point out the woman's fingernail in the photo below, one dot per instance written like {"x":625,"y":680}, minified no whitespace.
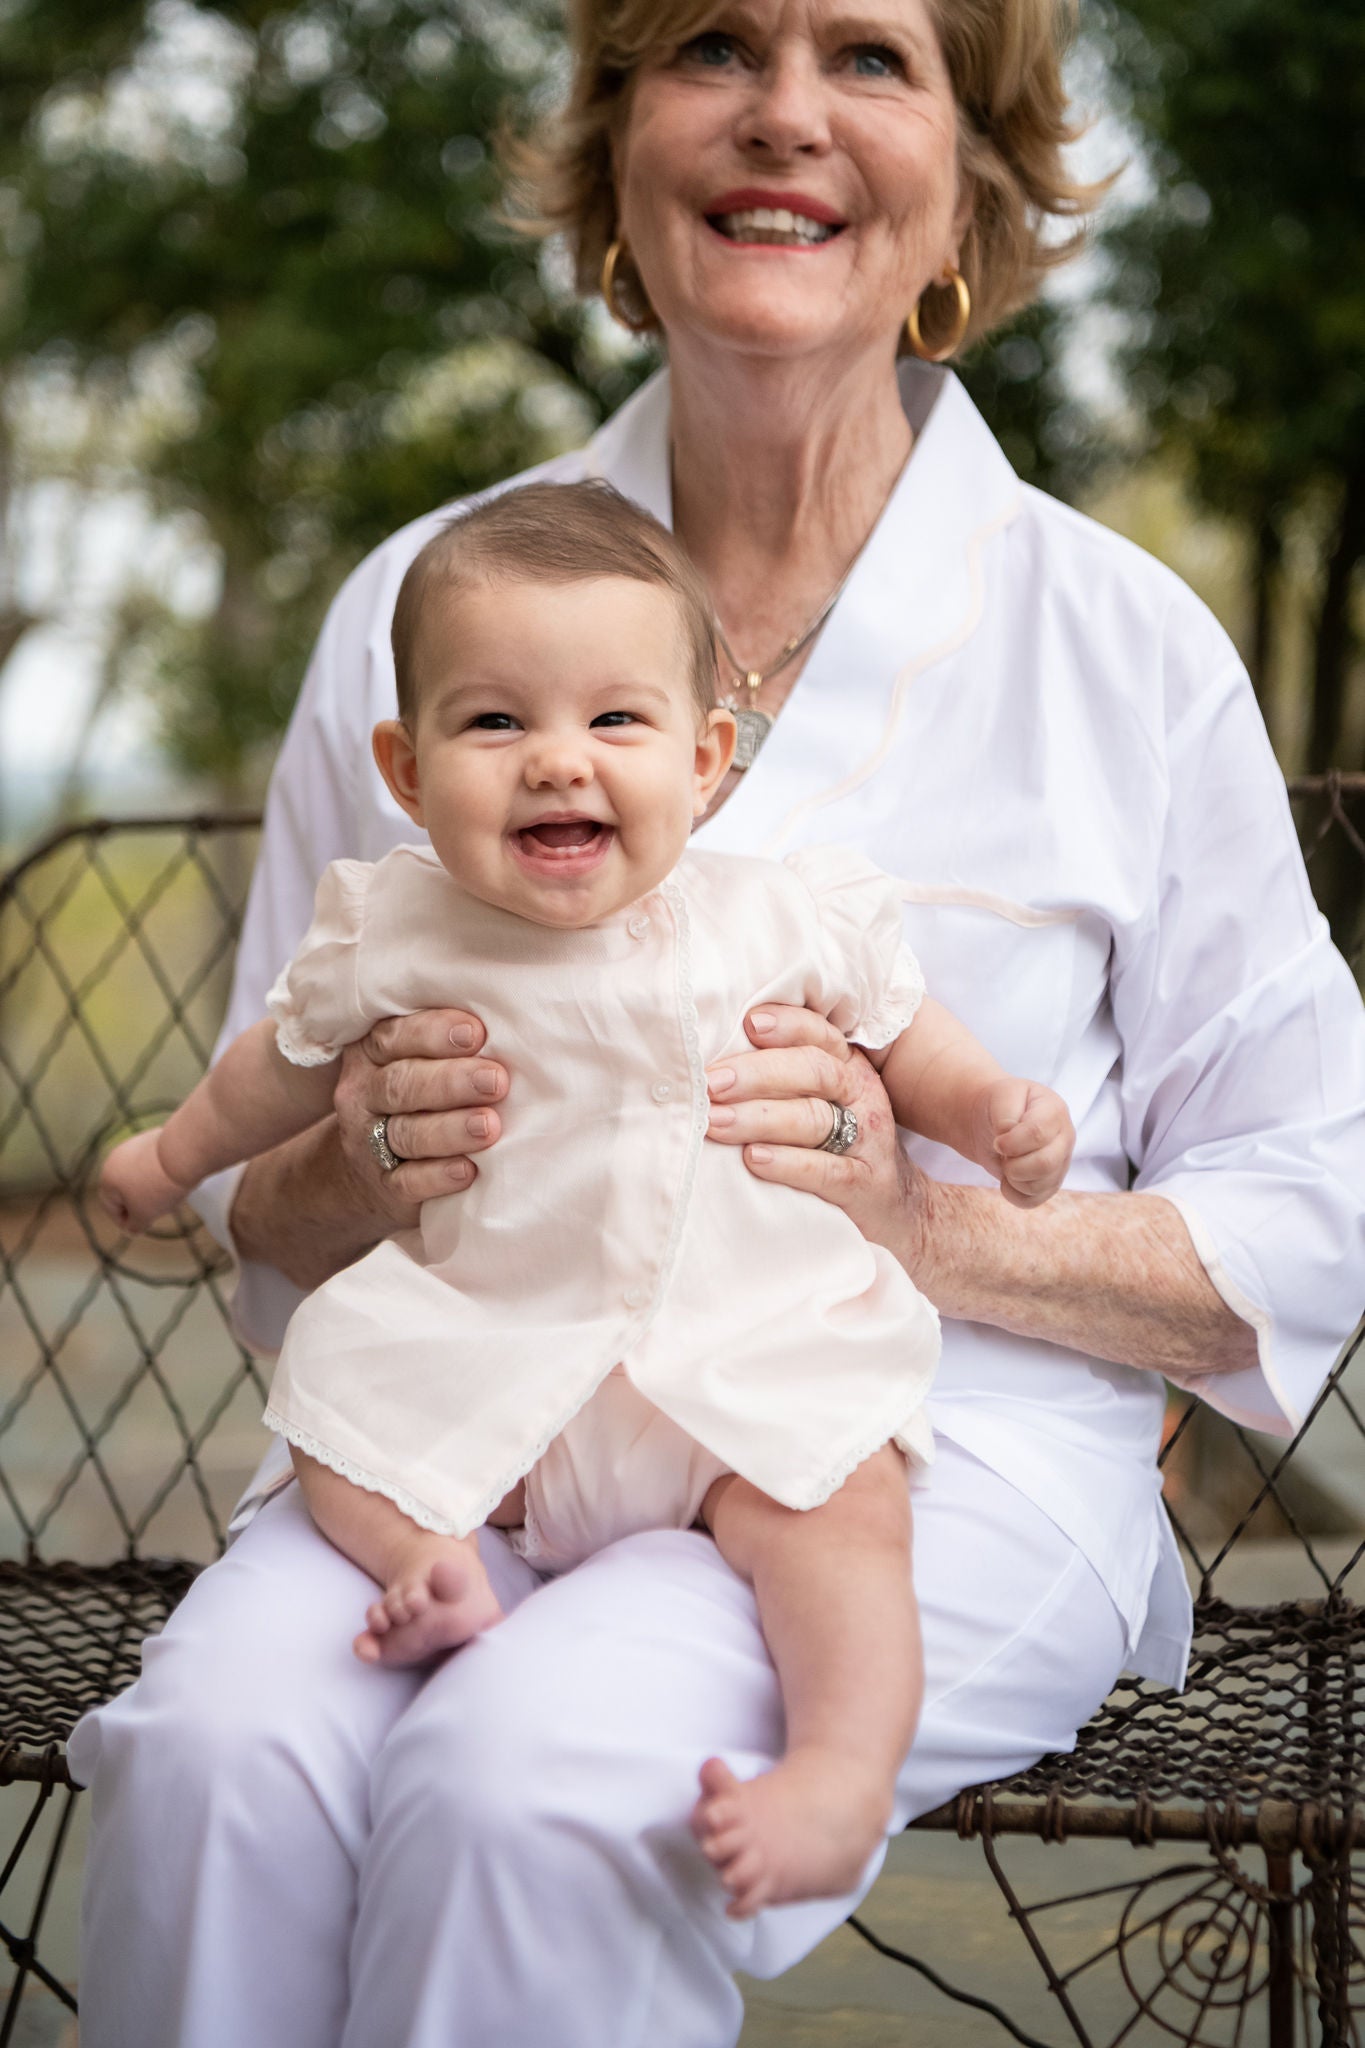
{"x":723,"y":1078}
{"x":721,"y":1117}
{"x":763,"y":1020}
{"x":760,"y":1154}
{"x":486,"y":1080}
{"x":477,"y":1125}
{"x":462,"y":1035}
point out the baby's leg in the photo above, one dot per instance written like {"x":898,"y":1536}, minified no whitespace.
{"x":436,"y":1591}
{"x":838,"y":1611}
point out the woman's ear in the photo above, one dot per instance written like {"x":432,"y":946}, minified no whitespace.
{"x":396,"y":759}
{"x":715,"y":752}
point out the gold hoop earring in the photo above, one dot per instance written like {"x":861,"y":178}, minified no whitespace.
{"x":608,"y":289}
{"x":958,"y":284}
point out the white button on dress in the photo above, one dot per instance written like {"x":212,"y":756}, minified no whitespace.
{"x":662,"y":1091}
{"x":638,"y":925}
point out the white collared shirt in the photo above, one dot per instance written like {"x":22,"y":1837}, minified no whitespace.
{"x":1052,"y":745}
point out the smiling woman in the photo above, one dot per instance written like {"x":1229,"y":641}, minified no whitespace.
{"x":1054,"y":751}
{"x":1011,"y":122}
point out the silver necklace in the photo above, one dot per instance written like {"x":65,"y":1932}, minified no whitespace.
{"x":755,"y":725}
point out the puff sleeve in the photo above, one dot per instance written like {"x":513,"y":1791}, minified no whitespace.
{"x":1243,"y":1083}
{"x":872,"y":981}
{"x":315,"y":1001}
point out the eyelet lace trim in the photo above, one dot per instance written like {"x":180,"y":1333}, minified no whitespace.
{"x":897,"y":1428}
{"x":897,"y":1012}
{"x":370,"y":1482}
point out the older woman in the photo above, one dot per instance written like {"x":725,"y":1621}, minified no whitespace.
{"x":1053,"y":746}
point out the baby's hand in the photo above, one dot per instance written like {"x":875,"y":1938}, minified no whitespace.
{"x":133,"y":1187}
{"x":1027,"y":1137}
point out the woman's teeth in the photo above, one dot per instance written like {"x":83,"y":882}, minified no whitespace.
{"x":773,"y":224}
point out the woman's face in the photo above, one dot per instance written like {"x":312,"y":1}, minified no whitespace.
{"x":787,"y":180}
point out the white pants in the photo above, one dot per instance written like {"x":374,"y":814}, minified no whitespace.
{"x":291,"y":1849}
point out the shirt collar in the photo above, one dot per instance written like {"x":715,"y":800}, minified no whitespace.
{"x":915,"y":596}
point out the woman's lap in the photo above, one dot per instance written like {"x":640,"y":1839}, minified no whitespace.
{"x":515,"y":1828}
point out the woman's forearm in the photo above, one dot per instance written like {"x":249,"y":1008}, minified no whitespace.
{"x":299,"y":1209}
{"x":1112,"y":1276}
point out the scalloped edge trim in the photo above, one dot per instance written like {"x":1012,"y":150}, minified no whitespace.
{"x":301,"y":1055}
{"x":886,"y":1026}
{"x":369,"y":1482}
{"x":892,"y":1432}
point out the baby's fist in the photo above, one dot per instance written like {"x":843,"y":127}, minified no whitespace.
{"x":133,"y":1187}
{"x":1031,"y":1137}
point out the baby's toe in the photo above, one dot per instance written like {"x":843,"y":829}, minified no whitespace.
{"x":722,"y":1845}
{"x":377,"y":1619}
{"x":744,"y":1880}
{"x":717,"y":1778}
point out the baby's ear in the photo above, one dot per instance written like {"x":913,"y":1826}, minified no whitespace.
{"x":396,"y":759}
{"x":715,"y":752}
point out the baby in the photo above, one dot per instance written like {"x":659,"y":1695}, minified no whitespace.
{"x":622,"y":1329}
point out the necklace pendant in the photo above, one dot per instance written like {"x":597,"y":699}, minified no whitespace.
{"x":754,"y":727}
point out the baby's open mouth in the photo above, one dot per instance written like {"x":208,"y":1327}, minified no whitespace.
{"x":561,"y":836}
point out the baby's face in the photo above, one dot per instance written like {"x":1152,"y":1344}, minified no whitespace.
{"x":559,"y":758}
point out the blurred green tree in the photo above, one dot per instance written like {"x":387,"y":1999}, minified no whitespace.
{"x":284,"y":223}
{"x":1242,"y":278}
{"x":267,"y":240}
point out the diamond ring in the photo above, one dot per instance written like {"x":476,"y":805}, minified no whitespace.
{"x":843,"y":1132}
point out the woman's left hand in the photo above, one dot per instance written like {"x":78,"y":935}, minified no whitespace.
{"x":775,"y":1102}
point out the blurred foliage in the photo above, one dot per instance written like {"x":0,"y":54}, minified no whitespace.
{"x":1242,"y":282}
{"x":256,"y":248}
{"x":1017,"y":378}
{"x":286,"y":222}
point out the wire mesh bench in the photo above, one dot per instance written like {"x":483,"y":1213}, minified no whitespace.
{"x":129,"y":1421}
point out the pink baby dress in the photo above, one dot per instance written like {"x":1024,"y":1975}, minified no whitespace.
{"x":603,"y":1231}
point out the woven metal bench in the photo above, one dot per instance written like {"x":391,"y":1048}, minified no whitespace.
{"x":129,"y":1420}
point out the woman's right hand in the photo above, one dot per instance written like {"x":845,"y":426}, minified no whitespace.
{"x":426,"y":1073}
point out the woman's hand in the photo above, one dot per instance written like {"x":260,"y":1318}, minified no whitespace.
{"x":1112,"y":1276}
{"x":775,"y":1103}
{"x":425,"y":1074}
{"x":316,"y":1203}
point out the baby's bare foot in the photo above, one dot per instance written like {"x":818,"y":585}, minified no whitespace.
{"x":803,"y":1830}
{"x":438,"y":1597}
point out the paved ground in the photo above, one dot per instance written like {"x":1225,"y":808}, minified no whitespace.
{"x":934,"y":1898}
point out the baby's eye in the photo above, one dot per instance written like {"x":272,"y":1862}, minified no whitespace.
{"x":493,"y":721}
{"x":875,"y":60}
{"x":610,"y":718}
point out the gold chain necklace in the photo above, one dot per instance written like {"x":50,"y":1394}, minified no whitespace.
{"x":755,"y":725}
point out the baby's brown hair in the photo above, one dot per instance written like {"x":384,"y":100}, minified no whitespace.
{"x":554,"y":533}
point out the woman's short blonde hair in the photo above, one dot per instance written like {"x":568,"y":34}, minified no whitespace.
{"x":1004,"y":59}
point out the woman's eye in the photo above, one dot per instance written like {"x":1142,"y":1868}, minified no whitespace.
{"x":493,"y":721}
{"x":713,"y":49}
{"x":610,"y":718}
{"x":875,"y":60}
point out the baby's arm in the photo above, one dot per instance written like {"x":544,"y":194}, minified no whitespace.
{"x":944,"y":1084}
{"x":253,"y":1099}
